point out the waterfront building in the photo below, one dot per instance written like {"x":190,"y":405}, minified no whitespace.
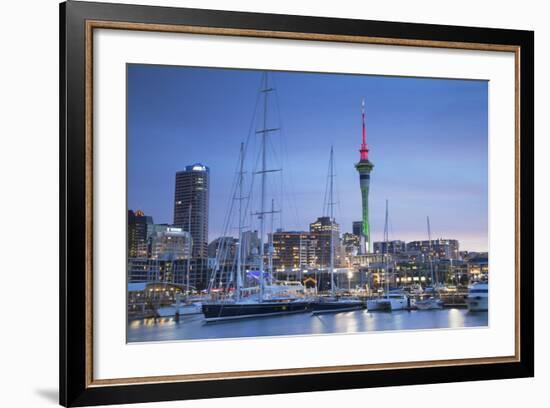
{"x":155,"y":270}
{"x":294,"y":249}
{"x":301,"y":249}
{"x":139,"y":230}
{"x":390,"y":247}
{"x":139,"y":270}
{"x":170,"y":243}
{"x":366,"y":260}
{"x":478,"y":266}
{"x":364,"y":168}
{"x":440,"y":248}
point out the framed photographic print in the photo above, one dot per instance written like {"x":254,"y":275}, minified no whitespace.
{"x":255,"y":203}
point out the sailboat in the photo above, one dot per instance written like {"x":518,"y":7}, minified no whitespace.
{"x":333,"y":303}
{"x":391,"y":300}
{"x":432,"y":302}
{"x":268,"y":297}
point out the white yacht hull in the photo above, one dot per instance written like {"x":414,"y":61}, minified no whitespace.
{"x":385,"y":304}
{"x":429,"y":304}
{"x":184,"y":310}
{"x":478,"y":297}
{"x":477,"y":303}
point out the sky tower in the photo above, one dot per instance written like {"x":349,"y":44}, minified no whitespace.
{"x":364,"y":167}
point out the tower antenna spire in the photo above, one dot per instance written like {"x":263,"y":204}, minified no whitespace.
{"x":364,"y":148}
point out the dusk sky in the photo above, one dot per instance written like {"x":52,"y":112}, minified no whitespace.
{"x":427,"y":140}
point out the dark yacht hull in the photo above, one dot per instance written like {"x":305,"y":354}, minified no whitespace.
{"x":335,"y":306}
{"x":230,"y":311}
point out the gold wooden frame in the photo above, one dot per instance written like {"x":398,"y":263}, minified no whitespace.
{"x":98,"y":24}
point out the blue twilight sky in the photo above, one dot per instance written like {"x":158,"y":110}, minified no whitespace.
{"x":428,"y":141}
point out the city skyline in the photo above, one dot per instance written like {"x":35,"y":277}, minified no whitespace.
{"x":427,"y":139}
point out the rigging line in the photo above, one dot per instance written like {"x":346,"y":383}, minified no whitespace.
{"x":248,"y":141}
{"x":336,"y":185}
{"x":224,"y":233}
{"x":281,"y":149}
{"x":225,"y":251}
{"x":288,"y":168}
{"x":227,"y":222}
{"x":326,"y":198}
{"x":253,"y":119}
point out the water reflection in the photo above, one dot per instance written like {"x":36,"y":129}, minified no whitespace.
{"x":193,"y":327}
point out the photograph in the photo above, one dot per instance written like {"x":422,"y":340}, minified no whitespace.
{"x":256,"y":203}
{"x":281,"y":203}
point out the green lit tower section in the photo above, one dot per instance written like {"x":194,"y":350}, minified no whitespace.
{"x":364,"y":167}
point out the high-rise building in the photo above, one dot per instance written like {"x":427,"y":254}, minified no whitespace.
{"x":301,"y":249}
{"x":191,"y":206}
{"x":324,"y":224}
{"x":191,"y":199}
{"x":323,"y":227}
{"x":139,"y":230}
{"x":296,"y":249}
{"x":357,"y":228}
{"x":364,"y":167}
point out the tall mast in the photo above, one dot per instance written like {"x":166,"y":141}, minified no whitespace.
{"x":386,"y":240}
{"x":331,"y":205}
{"x":270,"y":242}
{"x":264,"y":179}
{"x":240,"y":247}
{"x":190,"y":250}
{"x":261,"y":214}
{"x":430,"y":250}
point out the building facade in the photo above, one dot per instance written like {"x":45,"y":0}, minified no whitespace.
{"x":224,"y":249}
{"x":390,"y":247}
{"x":357,"y":228}
{"x":172,"y":243}
{"x":301,"y":249}
{"x":324,"y":224}
{"x":295,"y":249}
{"x":440,"y":248}
{"x":191,"y":206}
{"x":148,"y":270}
{"x":139,"y":229}
{"x":191,"y":200}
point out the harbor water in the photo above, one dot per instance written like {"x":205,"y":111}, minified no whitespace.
{"x":194,"y":328}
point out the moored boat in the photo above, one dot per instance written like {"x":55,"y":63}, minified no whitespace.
{"x":220,"y":311}
{"x":389,"y":302}
{"x":336,"y":305}
{"x":429,"y":304}
{"x":477,"y":299}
